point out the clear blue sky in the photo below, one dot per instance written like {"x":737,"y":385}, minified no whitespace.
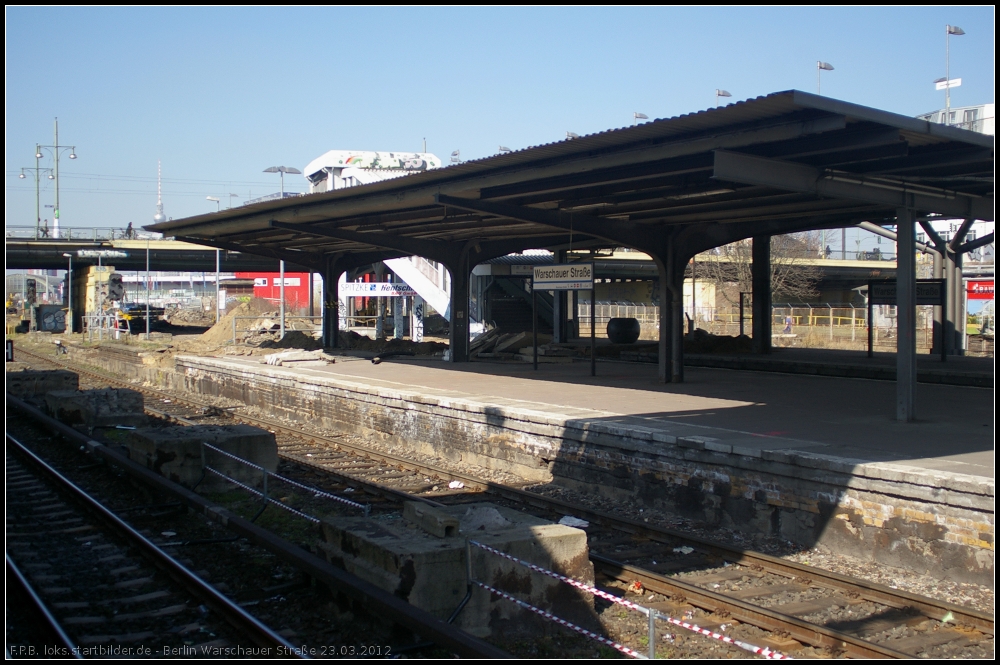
{"x":221,"y":94}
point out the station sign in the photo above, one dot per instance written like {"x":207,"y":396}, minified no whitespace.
{"x":979,"y":289}
{"x":563,"y":277}
{"x":376,"y":289}
{"x":101,"y":254}
{"x":929,"y":292}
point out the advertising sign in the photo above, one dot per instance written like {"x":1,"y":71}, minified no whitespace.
{"x":564,"y":277}
{"x":260,"y":281}
{"x":979,"y":289}
{"x":376,"y":289}
{"x":101,"y":254}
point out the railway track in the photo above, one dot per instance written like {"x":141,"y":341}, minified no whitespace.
{"x":803,"y":609}
{"x":103,"y":587}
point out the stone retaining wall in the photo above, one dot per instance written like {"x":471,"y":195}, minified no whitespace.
{"x":929,"y":521}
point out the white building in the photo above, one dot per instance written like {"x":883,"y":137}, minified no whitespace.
{"x":974,"y":118}
{"x":337,"y":169}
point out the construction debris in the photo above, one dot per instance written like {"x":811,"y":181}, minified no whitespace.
{"x":298,"y":358}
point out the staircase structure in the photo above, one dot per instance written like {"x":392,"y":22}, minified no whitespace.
{"x":338,"y":169}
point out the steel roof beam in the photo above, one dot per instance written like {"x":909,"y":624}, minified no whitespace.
{"x":625,"y":233}
{"x":313,"y":263}
{"x":975,"y":244}
{"x":751,"y":170}
{"x":432,"y":249}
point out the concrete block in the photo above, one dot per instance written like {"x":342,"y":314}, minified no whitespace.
{"x":105,"y":407}
{"x":430,"y":572}
{"x":39,"y":382}
{"x":176,"y":453}
{"x":432,"y":520}
{"x":717,"y":446}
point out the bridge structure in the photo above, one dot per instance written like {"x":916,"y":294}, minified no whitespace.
{"x":25,"y":249}
{"x":672,"y":188}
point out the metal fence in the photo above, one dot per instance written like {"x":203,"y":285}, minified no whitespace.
{"x":71,"y":233}
{"x":809,"y":325}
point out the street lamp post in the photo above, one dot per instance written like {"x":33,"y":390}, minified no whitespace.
{"x":636,"y":117}
{"x":949,"y":30}
{"x":56,"y":150}
{"x":218,"y":202}
{"x":147,"y":288}
{"x":282,"y":170}
{"x":281,"y":268}
{"x":820,"y":66}
{"x":38,"y":170}
{"x":218,"y":305}
{"x":69,"y":295}
{"x":721,"y":93}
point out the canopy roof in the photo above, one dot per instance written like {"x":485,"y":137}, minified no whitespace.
{"x":786,"y":162}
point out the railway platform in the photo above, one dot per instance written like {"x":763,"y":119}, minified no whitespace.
{"x":813,"y":459}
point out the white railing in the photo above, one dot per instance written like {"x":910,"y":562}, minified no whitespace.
{"x":71,"y":233}
{"x":106,"y":326}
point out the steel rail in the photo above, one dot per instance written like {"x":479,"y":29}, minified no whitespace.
{"x":895,"y":598}
{"x":379,"y":602}
{"x":65,"y":646}
{"x":233,"y":614}
{"x":745,"y":612}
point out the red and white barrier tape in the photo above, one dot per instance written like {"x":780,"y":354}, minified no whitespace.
{"x":761,"y":651}
{"x":562,"y":578}
{"x":315,"y":491}
{"x":562,"y":622}
{"x":258,"y":493}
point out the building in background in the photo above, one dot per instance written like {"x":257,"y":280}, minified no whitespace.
{"x":337,"y":169}
{"x":974,"y":118}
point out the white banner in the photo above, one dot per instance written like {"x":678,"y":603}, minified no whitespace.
{"x":376,"y":289}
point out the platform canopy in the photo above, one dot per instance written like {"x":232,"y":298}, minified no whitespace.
{"x":787,"y":162}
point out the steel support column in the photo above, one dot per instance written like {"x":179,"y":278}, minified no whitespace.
{"x":379,"y":309}
{"x":761,"y":306}
{"x":666,"y":317}
{"x":331,"y":305}
{"x":458,"y":335}
{"x":906,"y":311}
{"x":559,"y":308}
{"x":675,"y":269}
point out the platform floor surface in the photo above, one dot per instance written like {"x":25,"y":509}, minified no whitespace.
{"x":852,"y":419}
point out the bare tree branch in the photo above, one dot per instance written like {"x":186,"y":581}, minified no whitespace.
{"x":731,"y":268}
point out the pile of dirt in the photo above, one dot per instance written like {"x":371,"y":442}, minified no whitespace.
{"x":356,"y":342}
{"x":222,"y":332}
{"x":196,"y":317}
{"x":294,"y":339}
{"x":701,"y":341}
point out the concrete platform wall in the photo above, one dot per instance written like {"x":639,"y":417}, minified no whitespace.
{"x":935,"y":522}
